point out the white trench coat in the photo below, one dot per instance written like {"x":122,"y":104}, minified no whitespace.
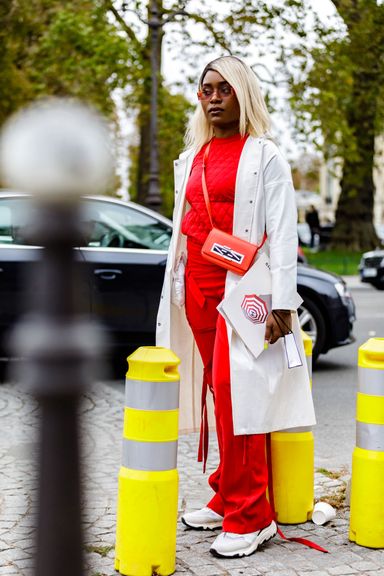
{"x":266,"y":394}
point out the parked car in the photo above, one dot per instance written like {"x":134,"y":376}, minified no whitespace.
{"x":301,"y":257}
{"x":123,"y":258}
{"x":322,"y":239}
{"x":304,"y":234}
{"x":371,"y":268}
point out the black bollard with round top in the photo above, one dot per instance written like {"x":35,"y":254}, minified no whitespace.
{"x":56,"y":151}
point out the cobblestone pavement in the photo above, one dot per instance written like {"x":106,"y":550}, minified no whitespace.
{"x":102,"y":417}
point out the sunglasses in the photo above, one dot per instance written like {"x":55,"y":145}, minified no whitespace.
{"x":223,"y":91}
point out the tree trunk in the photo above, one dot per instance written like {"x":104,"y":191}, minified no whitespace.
{"x":145,"y":112}
{"x":354,"y":229}
{"x":144,"y":154}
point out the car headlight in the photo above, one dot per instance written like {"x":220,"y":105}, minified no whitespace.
{"x":342,"y":290}
{"x":346,"y":298}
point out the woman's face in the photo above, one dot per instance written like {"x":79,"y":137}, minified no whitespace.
{"x":220,"y":104}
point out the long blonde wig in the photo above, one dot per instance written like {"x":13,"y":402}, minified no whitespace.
{"x":254,"y":116}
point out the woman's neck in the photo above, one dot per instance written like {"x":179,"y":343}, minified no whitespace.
{"x":226,"y":132}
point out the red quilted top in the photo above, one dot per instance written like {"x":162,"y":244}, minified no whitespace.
{"x":220,"y":174}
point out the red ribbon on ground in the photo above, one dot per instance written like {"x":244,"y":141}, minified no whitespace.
{"x":303,"y":541}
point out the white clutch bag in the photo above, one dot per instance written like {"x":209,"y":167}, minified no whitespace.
{"x":178,"y":283}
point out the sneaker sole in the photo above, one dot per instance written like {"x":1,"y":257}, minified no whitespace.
{"x":267,"y":534}
{"x":210,"y":526}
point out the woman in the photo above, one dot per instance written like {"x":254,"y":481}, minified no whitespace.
{"x":250,"y":193}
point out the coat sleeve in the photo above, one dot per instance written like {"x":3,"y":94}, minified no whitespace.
{"x":281,"y":228}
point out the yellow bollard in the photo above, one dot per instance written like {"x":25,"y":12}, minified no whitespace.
{"x":367,"y":485}
{"x":148,"y":479}
{"x":293,"y":466}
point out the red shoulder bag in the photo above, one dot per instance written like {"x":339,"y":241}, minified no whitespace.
{"x":224,"y":249}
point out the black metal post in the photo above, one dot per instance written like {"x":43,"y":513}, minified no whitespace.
{"x":57,"y":150}
{"x":57,"y":343}
{"x":153,"y":199}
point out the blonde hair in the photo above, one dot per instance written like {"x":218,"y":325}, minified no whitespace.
{"x":254,"y":116}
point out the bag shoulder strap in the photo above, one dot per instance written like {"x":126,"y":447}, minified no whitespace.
{"x":204,"y":183}
{"x":206,"y":195}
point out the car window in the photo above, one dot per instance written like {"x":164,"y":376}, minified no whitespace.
{"x":14,"y":217}
{"x":111,"y":225}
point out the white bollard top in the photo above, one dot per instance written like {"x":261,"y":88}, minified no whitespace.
{"x":57,"y":149}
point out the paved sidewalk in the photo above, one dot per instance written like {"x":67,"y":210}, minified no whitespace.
{"x":102,"y":419}
{"x":355,"y":282}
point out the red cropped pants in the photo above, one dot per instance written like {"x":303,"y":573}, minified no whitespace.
{"x":241,"y":479}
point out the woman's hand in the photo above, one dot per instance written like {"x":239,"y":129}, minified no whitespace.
{"x":277,"y":327}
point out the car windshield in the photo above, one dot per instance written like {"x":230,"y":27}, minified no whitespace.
{"x":107,"y":224}
{"x":15,"y":216}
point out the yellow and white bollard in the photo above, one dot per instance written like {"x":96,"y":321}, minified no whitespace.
{"x":148,"y":479}
{"x":367,"y":485}
{"x":293,"y":472}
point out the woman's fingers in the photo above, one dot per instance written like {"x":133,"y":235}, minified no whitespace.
{"x":272,"y":330}
{"x":277,"y":327}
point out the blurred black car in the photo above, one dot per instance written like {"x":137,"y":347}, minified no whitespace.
{"x":122,"y":260}
{"x":371,"y":268}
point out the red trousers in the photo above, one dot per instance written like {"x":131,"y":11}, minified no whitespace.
{"x":241,"y":479}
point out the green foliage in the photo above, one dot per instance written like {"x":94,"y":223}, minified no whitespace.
{"x":341,"y":262}
{"x":323,"y":79}
{"x":14,"y":87}
{"x":320,"y":98}
{"x":56,"y":48}
{"x":173,"y":114}
{"x":81,"y":55}
{"x":336,"y":79}
{"x":172,"y":124}
{"x":88,"y":48}
{"x":233,"y":28}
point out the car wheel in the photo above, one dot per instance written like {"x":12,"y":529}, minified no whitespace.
{"x":3,"y":371}
{"x":312,"y":323}
{"x":378,"y":285}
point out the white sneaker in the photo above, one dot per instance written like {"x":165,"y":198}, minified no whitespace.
{"x":231,"y":545}
{"x":204,"y":519}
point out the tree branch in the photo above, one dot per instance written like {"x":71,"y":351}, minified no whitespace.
{"x":172,"y":15}
{"x":127,"y":29}
{"x":216,"y":36}
{"x":136,"y":14}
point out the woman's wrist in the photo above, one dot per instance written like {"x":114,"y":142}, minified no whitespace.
{"x":282,"y":311}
